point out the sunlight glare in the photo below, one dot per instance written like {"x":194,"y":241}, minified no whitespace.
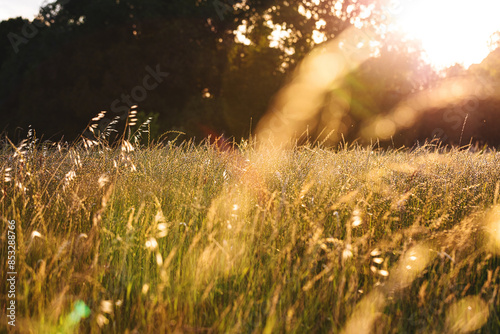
{"x":451,"y":31}
{"x":467,"y":315}
{"x":493,"y":229}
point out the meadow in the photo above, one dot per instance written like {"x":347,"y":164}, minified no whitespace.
{"x":183,"y":237}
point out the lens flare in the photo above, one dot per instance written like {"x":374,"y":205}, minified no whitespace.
{"x":493,"y":229}
{"x":467,"y":315}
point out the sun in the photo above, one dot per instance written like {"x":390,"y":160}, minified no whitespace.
{"x":451,"y":31}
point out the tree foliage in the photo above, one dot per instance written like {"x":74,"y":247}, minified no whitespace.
{"x":80,"y":57}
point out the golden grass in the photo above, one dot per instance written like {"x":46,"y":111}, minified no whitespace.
{"x":185,"y":238}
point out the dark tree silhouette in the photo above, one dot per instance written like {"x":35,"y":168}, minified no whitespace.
{"x":179,"y":60}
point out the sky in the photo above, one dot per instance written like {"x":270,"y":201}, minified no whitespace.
{"x":14,"y":8}
{"x":452,"y":30}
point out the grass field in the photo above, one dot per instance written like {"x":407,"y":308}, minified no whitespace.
{"x":187,"y":238}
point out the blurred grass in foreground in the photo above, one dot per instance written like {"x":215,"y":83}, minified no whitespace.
{"x":186,"y":238}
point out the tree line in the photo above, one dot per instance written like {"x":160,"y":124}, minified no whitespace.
{"x":182,"y":63}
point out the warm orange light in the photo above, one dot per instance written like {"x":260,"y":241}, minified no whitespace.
{"x":451,"y":31}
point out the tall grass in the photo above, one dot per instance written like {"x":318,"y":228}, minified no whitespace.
{"x":188,"y":238}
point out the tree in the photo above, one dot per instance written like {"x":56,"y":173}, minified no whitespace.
{"x":88,"y":55}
